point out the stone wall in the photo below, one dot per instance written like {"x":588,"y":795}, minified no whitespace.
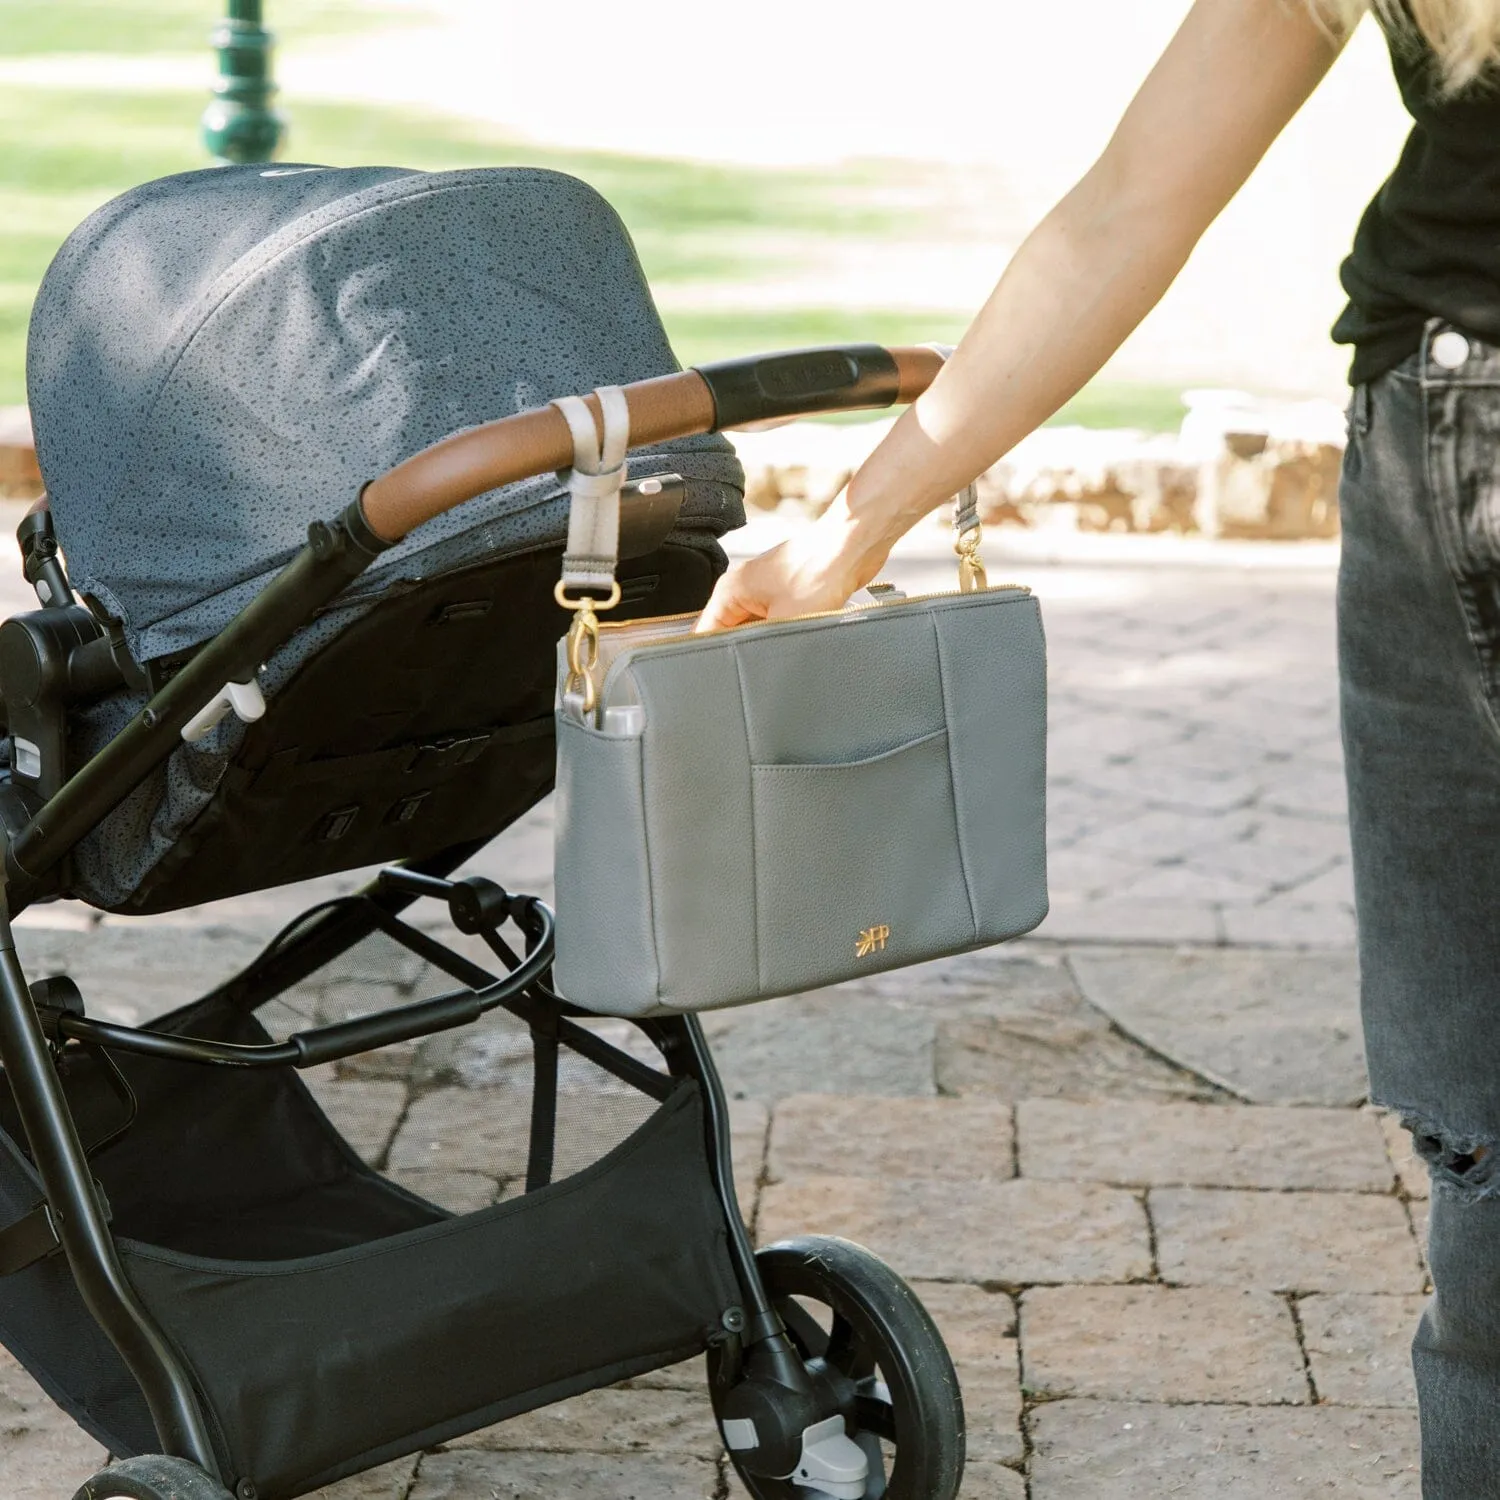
{"x":20,"y":478}
{"x":1239,"y":468}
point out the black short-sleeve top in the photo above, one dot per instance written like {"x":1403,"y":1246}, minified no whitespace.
{"x":1429,"y":244}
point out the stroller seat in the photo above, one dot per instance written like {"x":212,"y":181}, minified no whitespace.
{"x":218,"y":360}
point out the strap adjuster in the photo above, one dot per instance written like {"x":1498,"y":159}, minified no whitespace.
{"x":34,"y":1237}
{"x":29,"y":1240}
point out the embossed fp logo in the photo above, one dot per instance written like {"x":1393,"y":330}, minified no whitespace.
{"x":871,"y":940}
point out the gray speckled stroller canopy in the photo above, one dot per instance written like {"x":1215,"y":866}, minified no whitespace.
{"x":219,"y":358}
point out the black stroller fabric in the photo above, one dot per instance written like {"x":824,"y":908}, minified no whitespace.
{"x":334,"y":1319}
{"x":423,"y":724}
{"x":220,"y":358}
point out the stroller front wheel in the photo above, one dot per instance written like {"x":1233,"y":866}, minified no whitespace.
{"x":858,"y":1325}
{"x":153,"y":1478}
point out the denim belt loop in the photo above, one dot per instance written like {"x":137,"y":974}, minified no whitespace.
{"x":1360,"y":407}
{"x":1430,"y":329}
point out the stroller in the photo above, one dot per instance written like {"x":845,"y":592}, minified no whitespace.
{"x":292,"y":428}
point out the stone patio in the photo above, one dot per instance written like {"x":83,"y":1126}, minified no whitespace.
{"x":1126,"y":1162}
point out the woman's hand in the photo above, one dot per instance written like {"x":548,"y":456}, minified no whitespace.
{"x":816,"y":569}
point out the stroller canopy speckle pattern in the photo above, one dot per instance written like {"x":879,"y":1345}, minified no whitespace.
{"x":219,"y":358}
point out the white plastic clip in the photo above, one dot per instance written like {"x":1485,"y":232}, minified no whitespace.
{"x":832,"y":1462}
{"x":244,"y":698}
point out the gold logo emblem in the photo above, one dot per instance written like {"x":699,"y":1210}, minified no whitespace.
{"x":872,"y":940}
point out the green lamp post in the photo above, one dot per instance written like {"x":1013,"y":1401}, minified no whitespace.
{"x":240,"y":124}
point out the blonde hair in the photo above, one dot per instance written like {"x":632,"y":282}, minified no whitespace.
{"x":1465,"y":34}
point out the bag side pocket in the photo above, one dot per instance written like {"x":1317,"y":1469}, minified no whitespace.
{"x":994,"y":670}
{"x":606,"y":940}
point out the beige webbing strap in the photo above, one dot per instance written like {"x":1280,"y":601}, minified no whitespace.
{"x":594,"y":484}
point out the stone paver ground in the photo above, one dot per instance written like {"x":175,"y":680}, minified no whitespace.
{"x":1125,"y":1163}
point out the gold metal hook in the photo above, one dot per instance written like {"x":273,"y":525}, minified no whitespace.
{"x":583,"y":640}
{"x":972,"y":579}
{"x":583,"y":655}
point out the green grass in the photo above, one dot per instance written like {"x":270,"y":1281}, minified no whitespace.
{"x":62,"y":153}
{"x":1119,"y":403}
{"x":699,"y":336}
{"x":692,"y":223}
{"x":140,"y":27}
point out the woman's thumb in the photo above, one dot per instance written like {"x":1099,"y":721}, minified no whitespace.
{"x":726,"y":607}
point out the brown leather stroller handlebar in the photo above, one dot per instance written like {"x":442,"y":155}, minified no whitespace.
{"x":711,"y":398}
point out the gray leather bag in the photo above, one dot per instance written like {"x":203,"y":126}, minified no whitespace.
{"x":765,"y":810}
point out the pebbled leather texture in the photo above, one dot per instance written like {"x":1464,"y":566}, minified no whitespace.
{"x":807,"y":802}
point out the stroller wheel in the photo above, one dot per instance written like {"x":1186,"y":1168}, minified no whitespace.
{"x":153,"y":1478}
{"x":859,"y":1326}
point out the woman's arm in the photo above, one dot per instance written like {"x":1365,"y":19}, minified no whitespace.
{"x":1231,"y":79}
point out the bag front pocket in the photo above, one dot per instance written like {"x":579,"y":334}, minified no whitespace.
{"x":857,"y":866}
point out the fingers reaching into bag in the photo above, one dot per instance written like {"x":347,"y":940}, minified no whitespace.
{"x":816,"y":570}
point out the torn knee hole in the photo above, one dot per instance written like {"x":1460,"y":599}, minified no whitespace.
{"x":1460,"y":1160}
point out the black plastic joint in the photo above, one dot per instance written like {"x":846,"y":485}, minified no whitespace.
{"x":480,"y":905}
{"x":529,"y":913}
{"x":359,"y":532}
{"x":55,"y":998}
{"x":800,"y":383}
{"x":347,"y":539}
{"x":327,"y":542}
{"x":760,"y":1328}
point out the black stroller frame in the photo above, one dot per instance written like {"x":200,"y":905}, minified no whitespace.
{"x":777,"y":1381}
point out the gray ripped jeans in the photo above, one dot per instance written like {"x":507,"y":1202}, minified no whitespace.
{"x":1419,"y":653}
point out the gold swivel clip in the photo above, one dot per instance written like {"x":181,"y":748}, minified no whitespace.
{"x":583,"y":640}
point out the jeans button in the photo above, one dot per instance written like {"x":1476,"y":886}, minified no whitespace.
{"x":1450,"y":349}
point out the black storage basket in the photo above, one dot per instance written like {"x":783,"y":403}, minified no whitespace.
{"x":333,"y":1319}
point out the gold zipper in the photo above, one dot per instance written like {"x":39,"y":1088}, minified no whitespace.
{"x":613,"y":638}
{"x":820,"y":614}
{"x":655,"y":620}
{"x":588,"y":657}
